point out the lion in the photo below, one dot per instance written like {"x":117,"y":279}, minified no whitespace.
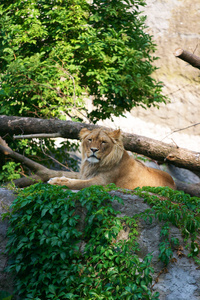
{"x":104,"y":161}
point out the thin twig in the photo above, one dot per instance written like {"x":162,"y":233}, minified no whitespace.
{"x":52,"y":158}
{"x":177,"y":90}
{"x":196,"y":48}
{"x":177,"y":130}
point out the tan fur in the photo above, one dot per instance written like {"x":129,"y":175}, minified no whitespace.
{"x":104,"y":161}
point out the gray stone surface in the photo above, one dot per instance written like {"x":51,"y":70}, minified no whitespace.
{"x":181,"y":282}
{"x":182,"y":174}
{"x":6,"y":199}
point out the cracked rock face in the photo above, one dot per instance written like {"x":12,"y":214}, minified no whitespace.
{"x":181,"y":282}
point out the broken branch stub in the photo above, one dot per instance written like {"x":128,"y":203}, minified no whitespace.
{"x":188,"y":57}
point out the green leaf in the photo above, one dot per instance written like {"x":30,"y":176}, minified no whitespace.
{"x":63,"y":255}
{"x":44,"y":211}
{"x":52,"y":289}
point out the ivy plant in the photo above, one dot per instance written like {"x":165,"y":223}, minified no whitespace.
{"x":175,"y":208}
{"x":55,"y":253}
{"x":65,"y":245}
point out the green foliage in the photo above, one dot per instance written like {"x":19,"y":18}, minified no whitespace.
{"x":178,"y":209}
{"x":53,"y":53}
{"x":36,"y":49}
{"x":165,"y":246}
{"x":10,"y":171}
{"x":117,"y":60}
{"x":52,"y":258}
{"x":48,"y":236}
{"x":5,"y":295}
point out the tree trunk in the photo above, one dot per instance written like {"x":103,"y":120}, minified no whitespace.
{"x":151,"y":148}
{"x":188,"y":57}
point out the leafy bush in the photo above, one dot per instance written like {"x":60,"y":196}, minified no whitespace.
{"x":9,"y":171}
{"x":166,"y":245}
{"x":55,"y":254}
{"x":54,"y":53}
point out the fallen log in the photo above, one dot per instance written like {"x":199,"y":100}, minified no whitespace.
{"x":151,"y":148}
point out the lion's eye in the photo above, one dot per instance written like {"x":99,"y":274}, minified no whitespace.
{"x":89,"y":140}
{"x":103,"y":142}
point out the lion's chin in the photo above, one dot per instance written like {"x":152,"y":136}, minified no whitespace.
{"x":93,"y":159}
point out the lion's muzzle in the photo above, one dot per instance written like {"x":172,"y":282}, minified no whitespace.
{"x":93,"y":158}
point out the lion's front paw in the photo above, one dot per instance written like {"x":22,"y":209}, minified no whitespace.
{"x":58,"y":181}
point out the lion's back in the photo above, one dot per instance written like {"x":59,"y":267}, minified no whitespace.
{"x":133,"y":173}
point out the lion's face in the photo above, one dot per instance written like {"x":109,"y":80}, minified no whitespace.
{"x":100,"y":146}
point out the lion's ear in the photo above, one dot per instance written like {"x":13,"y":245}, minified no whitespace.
{"x":116,"y":134}
{"x":83,"y":133}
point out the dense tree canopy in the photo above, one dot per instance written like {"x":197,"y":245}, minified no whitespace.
{"x":55,"y":53}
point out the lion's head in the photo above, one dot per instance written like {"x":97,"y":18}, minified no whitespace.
{"x":101,"y":147}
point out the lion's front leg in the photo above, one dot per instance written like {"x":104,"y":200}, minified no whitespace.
{"x":75,"y":184}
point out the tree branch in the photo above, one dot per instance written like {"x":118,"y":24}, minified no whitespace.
{"x":28,"y":162}
{"x":37,"y":136}
{"x":41,"y":173}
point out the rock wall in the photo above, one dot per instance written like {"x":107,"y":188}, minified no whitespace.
{"x":175,"y":24}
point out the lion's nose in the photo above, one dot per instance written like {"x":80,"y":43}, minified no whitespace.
{"x":94,"y":149}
